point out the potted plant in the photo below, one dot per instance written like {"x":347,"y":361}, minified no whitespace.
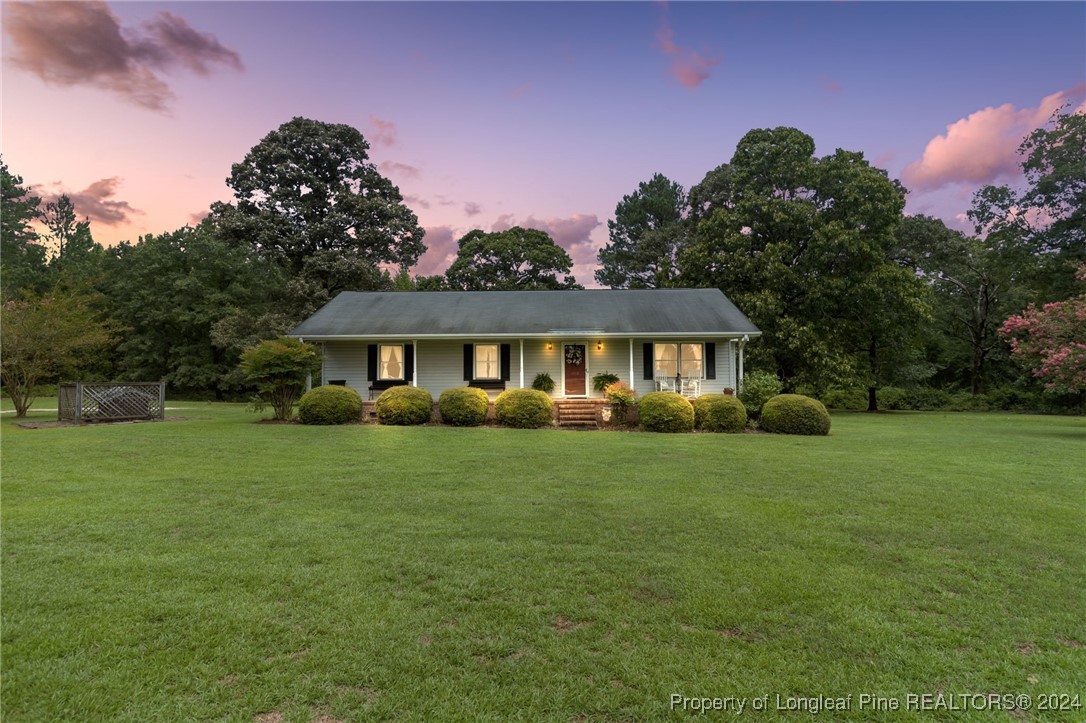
{"x":543,"y":382}
{"x":600,"y":382}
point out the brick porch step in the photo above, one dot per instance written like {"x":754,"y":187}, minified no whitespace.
{"x":578,"y":412}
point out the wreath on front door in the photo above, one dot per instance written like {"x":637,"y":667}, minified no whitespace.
{"x":574,"y":355}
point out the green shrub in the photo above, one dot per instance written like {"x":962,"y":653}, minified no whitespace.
{"x":665,"y":412}
{"x":543,"y":382}
{"x":622,"y":398}
{"x":757,"y":389}
{"x":719,"y":413}
{"x":330,"y":404}
{"x":852,"y":398}
{"x":463,"y":406}
{"x":1013,"y":398}
{"x":795,"y":414}
{"x":918,"y":398}
{"x":404,"y":405}
{"x":523,"y":408}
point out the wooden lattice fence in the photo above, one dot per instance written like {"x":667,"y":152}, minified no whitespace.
{"x":111,"y":401}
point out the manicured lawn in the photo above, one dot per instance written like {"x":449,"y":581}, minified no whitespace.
{"x":220,"y":569}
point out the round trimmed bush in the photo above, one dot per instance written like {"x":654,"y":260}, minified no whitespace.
{"x":404,"y":405}
{"x":330,"y":404}
{"x":463,"y":406}
{"x":795,"y":414}
{"x":523,"y":408}
{"x":665,"y":412}
{"x":719,"y":413}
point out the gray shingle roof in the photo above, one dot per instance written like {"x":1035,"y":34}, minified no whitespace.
{"x":386,"y":314}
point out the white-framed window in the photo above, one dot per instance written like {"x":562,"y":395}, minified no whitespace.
{"x":687,"y":360}
{"x":390,"y":361}
{"x":487,"y":362}
{"x":692,"y":360}
{"x":667,"y":359}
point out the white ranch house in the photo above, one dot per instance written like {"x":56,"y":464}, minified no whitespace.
{"x":686,"y":340}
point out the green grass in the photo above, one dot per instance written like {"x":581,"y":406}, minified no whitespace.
{"x":220,"y":569}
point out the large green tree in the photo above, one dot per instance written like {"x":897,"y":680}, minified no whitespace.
{"x":712,"y":192}
{"x":76,"y":259}
{"x":644,"y":237}
{"x":1048,"y":217}
{"x":22,"y":256}
{"x":189,"y":303}
{"x":308,"y":197}
{"x":511,"y":260}
{"x":804,"y":245}
{"x":976,"y":283}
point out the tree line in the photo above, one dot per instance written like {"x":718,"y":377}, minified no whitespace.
{"x":817,"y":251}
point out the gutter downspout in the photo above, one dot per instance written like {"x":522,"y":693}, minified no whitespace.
{"x":521,"y":363}
{"x":415,"y":364}
{"x":631,"y":364}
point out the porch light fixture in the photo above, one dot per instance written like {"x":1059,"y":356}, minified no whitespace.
{"x":599,"y":345}
{"x":550,"y":346}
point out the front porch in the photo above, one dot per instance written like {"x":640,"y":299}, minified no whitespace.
{"x":691,"y":367}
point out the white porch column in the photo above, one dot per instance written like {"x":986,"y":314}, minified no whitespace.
{"x":415,"y":364}
{"x":309,"y":375}
{"x":742,"y":344}
{"x":733,"y":352}
{"x":521,"y":363}
{"x":631,"y":364}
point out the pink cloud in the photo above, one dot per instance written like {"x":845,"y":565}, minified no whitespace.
{"x":520,"y":91}
{"x":172,"y":40}
{"x":472,"y":209}
{"x":83,"y":43}
{"x":688,"y":66}
{"x":983,"y":147}
{"x":399,"y":169}
{"x":829,"y":85}
{"x":416,"y":201}
{"x":883,"y":159}
{"x":383,"y":133}
{"x":94,"y":202}
{"x":441,"y":250}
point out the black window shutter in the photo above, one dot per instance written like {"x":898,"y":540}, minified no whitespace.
{"x":371,"y":363}
{"x":710,"y":360}
{"x":409,"y":362}
{"x":469,"y":354}
{"x":649,"y":366}
{"x":506,"y":363}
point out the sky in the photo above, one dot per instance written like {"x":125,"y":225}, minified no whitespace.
{"x":494,"y":114}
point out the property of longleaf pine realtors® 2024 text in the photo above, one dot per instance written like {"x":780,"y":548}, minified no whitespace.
{"x":927,"y":702}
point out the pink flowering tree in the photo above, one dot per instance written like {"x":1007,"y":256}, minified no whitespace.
{"x":1052,"y":341}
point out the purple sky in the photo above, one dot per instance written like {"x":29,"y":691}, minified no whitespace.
{"x":488,"y":115}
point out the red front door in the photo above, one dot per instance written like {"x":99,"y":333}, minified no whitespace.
{"x":574,"y":356}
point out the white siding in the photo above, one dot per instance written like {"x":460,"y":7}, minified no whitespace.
{"x":346,"y":360}
{"x":440,"y":363}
